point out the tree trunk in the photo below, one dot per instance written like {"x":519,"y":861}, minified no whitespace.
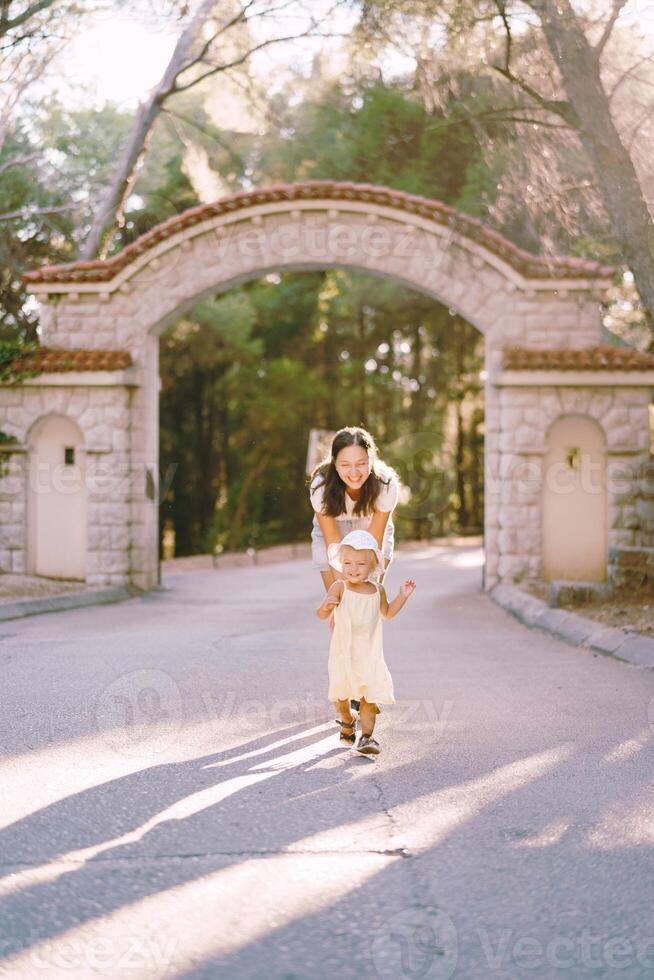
{"x":417,"y":398}
{"x":137,"y":141}
{"x":241,"y":503}
{"x":477,"y":469}
{"x":622,"y":195}
{"x":359,"y":359}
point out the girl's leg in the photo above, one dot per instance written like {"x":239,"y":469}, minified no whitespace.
{"x":348,"y":729}
{"x":368,"y":712}
{"x":343,"y":708}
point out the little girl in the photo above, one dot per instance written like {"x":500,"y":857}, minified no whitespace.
{"x":357,"y":669}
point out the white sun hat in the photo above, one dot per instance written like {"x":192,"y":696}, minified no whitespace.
{"x":361,"y":540}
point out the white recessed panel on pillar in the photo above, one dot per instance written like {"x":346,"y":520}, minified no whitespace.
{"x":575,"y":546}
{"x":56,"y":492}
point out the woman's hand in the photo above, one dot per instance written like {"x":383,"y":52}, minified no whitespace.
{"x":407,"y":587}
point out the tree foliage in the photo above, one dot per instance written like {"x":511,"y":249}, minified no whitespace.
{"x":573,"y":84}
{"x":485,"y":119}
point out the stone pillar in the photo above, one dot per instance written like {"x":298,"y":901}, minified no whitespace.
{"x":144,"y":500}
{"x":625,"y":418}
{"x":526,"y":411}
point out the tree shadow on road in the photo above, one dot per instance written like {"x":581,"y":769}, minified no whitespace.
{"x":173,"y":824}
{"x":218,"y":806}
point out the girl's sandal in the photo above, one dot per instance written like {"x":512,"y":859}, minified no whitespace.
{"x":349,"y":737}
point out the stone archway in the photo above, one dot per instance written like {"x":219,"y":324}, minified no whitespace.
{"x":515,"y":299}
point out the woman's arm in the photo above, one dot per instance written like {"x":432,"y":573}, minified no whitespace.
{"x":329,"y":528}
{"x":330,"y":533}
{"x":378,"y":523}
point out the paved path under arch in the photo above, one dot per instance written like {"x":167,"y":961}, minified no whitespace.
{"x":506,"y":831}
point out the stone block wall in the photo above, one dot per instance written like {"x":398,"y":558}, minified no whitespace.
{"x":638,"y":502}
{"x":525,"y":414}
{"x":103,"y":415}
{"x":631,"y":567}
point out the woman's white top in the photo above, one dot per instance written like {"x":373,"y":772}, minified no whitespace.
{"x":386,"y":500}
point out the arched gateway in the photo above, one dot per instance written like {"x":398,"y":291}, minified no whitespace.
{"x":101,"y":320}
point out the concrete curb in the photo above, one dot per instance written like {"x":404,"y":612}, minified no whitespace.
{"x":634,"y":648}
{"x":70,"y":600}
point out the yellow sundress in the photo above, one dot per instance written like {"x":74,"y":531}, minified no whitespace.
{"x":356,"y":664}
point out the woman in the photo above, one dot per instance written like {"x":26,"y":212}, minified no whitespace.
{"x":351,"y":489}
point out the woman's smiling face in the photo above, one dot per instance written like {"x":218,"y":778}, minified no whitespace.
{"x":353,"y":466}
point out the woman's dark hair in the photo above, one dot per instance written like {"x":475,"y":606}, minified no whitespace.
{"x":381,"y":474}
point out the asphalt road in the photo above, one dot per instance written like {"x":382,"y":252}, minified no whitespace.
{"x":175,"y":803}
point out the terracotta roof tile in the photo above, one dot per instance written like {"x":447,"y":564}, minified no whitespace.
{"x":50,"y":359}
{"x":601,"y":358}
{"x":532,"y":266}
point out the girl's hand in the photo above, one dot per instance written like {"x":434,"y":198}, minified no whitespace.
{"x":330,"y":622}
{"x":407,"y":587}
{"x":330,"y":602}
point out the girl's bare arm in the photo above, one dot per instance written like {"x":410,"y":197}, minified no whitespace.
{"x":390,"y":609}
{"x":331,"y":600}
